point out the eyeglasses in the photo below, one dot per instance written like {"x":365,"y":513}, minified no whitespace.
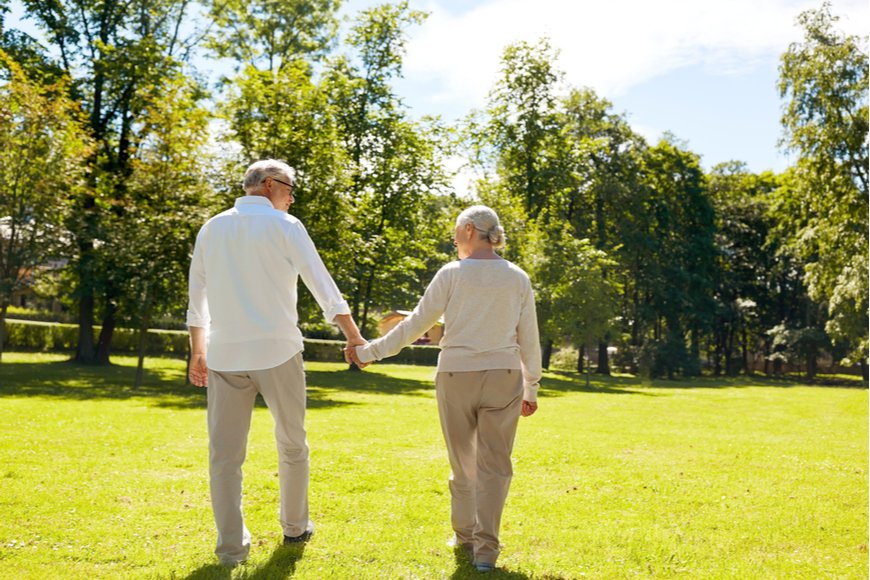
{"x":290,"y":185}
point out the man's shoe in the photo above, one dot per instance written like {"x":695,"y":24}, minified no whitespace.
{"x":301,"y":538}
{"x":484,"y":566}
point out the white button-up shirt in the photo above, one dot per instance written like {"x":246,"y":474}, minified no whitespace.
{"x":243,"y":277}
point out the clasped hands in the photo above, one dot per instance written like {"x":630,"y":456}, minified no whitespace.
{"x":350,"y":355}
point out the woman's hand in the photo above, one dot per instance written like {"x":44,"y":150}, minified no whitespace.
{"x":529,"y":408}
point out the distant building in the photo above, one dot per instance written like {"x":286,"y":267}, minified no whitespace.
{"x":432,"y":336}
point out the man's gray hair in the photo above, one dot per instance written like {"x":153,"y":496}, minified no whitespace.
{"x":260,"y":170}
{"x":485,"y":221}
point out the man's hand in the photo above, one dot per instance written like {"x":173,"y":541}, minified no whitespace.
{"x":529,"y":408}
{"x":198,"y":370}
{"x":350,"y":352}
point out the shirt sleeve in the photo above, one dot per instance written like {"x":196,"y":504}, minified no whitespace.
{"x":427,"y":312}
{"x":304,"y":256}
{"x":530,"y":346}
{"x":197,"y":305}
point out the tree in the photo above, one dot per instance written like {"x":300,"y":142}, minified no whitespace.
{"x":675,"y":259}
{"x":395,"y":164}
{"x":523,"y":125}
{"x":602,"y":157}
{"x":271,"y":34}
{"x":825,"y":121}
{"x":168,"y":198}
{"x":746,"y":265}
{"x":576,"y":300}
{"x":42,"y":154}
{"x":118,"y":57}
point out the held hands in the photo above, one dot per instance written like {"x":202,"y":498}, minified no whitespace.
{"x":198,"y":373}
{"x":350,"y":355}
{"x":529,"y":408}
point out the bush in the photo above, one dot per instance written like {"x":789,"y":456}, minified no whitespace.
{"x":55,"y":336}
{"x":40,"y":336}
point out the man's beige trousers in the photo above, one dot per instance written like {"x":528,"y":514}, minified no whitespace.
{"x":231,"y":398}
{"x":479,"y":412}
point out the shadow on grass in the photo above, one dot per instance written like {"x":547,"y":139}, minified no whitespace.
{"x":282,"y":564}
{"x":166,"y":386}
{"x":557,"y":382}
{"x":465,"y":569}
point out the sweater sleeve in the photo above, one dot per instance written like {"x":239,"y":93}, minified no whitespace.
{"x":530,"y":346}
{"x":425,"y":315}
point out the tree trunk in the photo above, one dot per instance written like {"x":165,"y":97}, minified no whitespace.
{"x":746,"y":368}
{"x":3,"y":311}
{"x":140,"y":351}
{"x":603,"y":360}
{"x":863,"y":365}
{"x":85,"y":352}
{"x":717,"y":353}
{"x":581,"y":352}
{"x":104,"y":345}
{"x":812,"y":357}
{"x":546,"y":354}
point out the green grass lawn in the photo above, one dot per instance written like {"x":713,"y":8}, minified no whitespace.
{"x":729,"y":478}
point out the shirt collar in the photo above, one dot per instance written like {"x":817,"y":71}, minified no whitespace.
{"x":254,"y":200}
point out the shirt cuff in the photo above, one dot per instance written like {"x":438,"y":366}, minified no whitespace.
{"x":197,"y":321}
{"x":530,"y":393}
{"x":335,"y":310}
{"x":364,"y":353}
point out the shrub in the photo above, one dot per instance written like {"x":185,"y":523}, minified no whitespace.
{"x":42,"y":336}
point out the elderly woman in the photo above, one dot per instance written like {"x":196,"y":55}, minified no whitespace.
{"x":488,"y":373}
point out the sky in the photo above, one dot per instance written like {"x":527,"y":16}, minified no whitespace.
{"x":704,"y":70}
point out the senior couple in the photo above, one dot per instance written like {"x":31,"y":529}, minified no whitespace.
{"x":245,"y":340}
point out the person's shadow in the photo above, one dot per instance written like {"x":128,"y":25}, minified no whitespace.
{"x":464,"y":569}
{"x":282,"y":564}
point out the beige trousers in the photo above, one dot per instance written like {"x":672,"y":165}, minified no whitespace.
{"x":231,"y":397}
{"x":479,"y":411}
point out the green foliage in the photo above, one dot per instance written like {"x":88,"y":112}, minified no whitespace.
{"x":576,"y":300}
{"x":42,"y":153}
{"x":272,"y":34}
{"x":825,"y":122}
{"x":64,"y":337}
{"x":522,"y":130}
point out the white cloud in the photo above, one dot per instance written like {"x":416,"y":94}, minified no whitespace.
{"x":609,"y":46}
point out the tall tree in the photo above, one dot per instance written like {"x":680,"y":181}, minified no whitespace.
{"x":603,"y":161}
{"x":42,"y":162}
{"x":523,"y":125}
{"x":119,"y":56}
{"x":395,"y":163}
{"x":746,"y":267}
{"x":675,"y":261}
{"x":272,"y":34}
{"x":168,"y":198}
{"x":824,"y":79}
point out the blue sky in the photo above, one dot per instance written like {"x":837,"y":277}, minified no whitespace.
{"x":703,"y":70}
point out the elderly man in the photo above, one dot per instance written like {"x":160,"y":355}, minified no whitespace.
{"x":245,"y":340}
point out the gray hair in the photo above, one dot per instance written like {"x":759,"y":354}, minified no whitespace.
{"x":260,"y":170}
{"x":485,"y":221}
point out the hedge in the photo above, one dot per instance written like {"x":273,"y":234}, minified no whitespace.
{"x":42,"y":336}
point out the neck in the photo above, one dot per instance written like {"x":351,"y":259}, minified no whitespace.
{"x":482,"y":253}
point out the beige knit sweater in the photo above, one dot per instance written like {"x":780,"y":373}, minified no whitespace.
{"x":489,"y":321}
